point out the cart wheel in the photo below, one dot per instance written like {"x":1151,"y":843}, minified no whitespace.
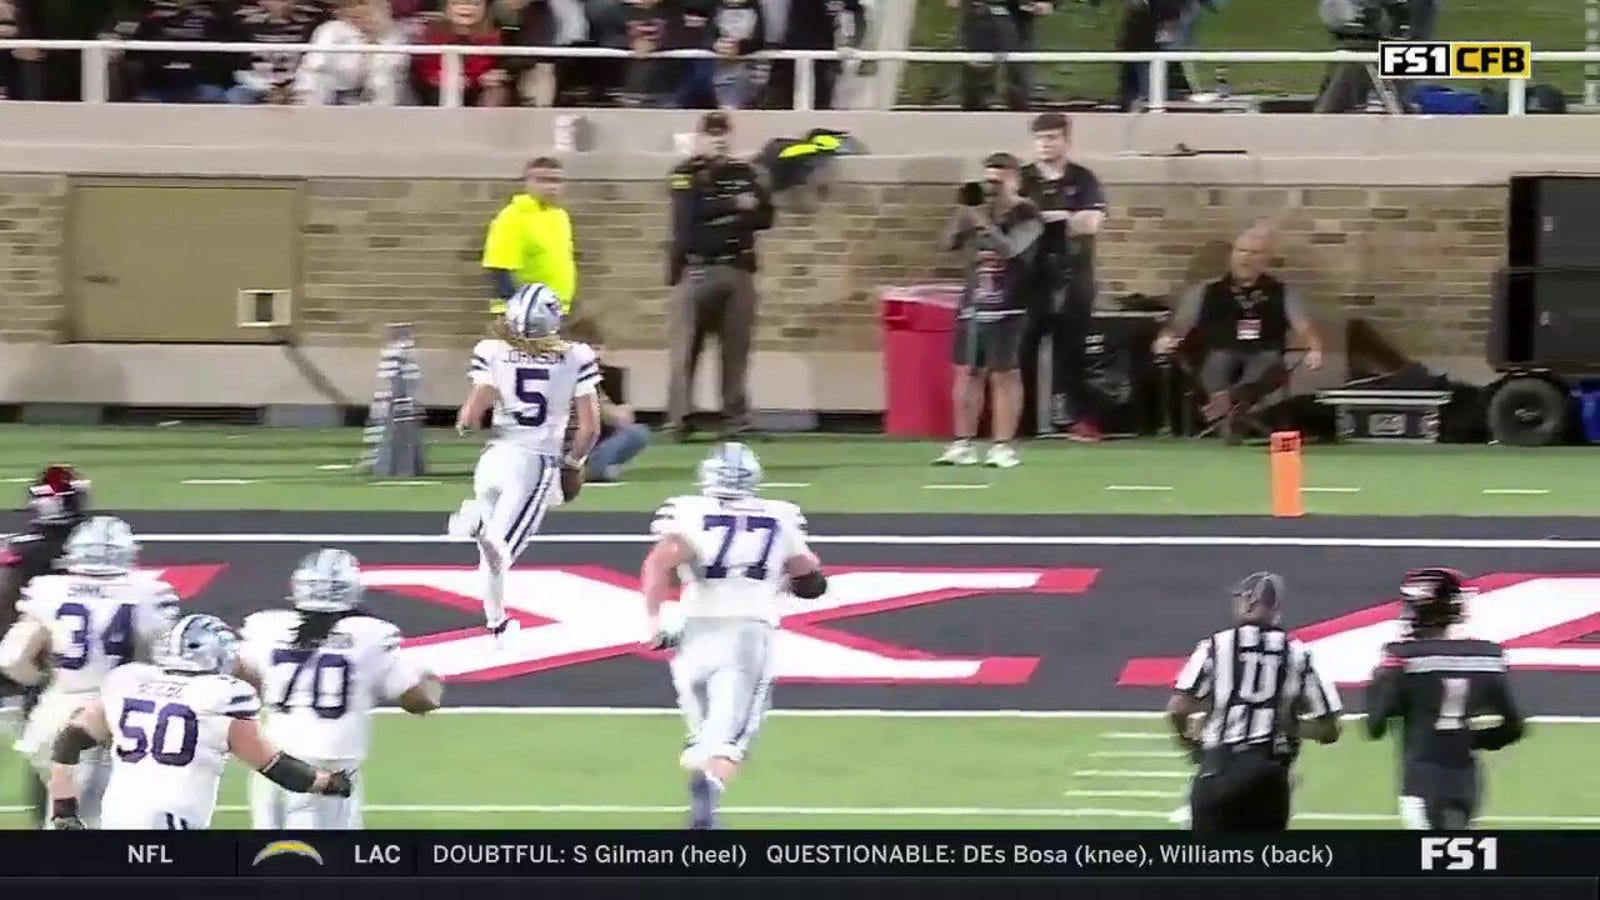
{"x":1528,"y":412}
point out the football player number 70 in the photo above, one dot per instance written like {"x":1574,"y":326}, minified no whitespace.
{"x":329,"y":674}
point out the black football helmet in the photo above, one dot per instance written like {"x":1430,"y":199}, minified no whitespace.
{"x":59,"y":496}
{"x":1433,"y":598}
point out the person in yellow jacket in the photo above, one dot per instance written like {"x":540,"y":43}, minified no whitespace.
{"x":530,"y":240}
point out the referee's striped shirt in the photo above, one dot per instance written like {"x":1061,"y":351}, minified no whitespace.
{"x":1258,"y":680}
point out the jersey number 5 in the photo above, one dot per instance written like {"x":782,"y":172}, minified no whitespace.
{"x":732,"y":527}
{"x":529,"y":380}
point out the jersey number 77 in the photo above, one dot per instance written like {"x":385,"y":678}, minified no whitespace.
{"x":733,"y":526}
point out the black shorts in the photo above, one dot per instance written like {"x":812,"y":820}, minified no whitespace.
{"x":1244,"y":792}
{"x":994,"y":345}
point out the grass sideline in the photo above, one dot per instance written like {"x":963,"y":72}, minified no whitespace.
{"x":218,"y":468}
{"x":818,"y":769}
{"x":1249,"y":25}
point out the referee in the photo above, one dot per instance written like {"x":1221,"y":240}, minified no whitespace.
{"x":1260,"y":693}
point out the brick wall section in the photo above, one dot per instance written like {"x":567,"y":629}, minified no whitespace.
{"x":33,"y":212}
{"x":1414,"y":260}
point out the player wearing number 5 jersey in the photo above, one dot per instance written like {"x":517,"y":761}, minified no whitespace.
{"x":170,"y":726}
{"x":530,"y":377}
{"x":74,"y":629}
{"x":323,"y":666}
{"x":738,"y":558}
{"x":1453,"y":697}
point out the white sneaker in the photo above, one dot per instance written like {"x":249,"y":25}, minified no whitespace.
{"x":505,"y":634}
{"x":467,"y":521}
{"x":959,"y":453}
{"x":1002,"y":456}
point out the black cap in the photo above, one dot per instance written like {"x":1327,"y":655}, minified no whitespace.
{"x":715,"y":123}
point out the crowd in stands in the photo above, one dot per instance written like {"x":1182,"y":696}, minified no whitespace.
{"x":733,"y":29}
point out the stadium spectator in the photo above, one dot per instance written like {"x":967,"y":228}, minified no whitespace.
{"x":20,"y":73}
{"x":181,"y":77}
{"x":1149,"y":25}
{"x":998,"y":26}
{"x":621,"y":437}
{"x":486,"y":82}
{"x":269,"y":77}
{"x":813,"y":25}
{"x":541,"y":23}
{"x":348,"y":79}
{"x":530,"y":240}
{"x":653,"y":26}
{"x":738,"y":29}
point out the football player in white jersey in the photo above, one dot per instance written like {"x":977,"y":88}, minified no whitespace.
{"x":323,"y":666}
{"x":77,"y":627}
{"x":738,"y":558}
{"x":176,"y":723}
{"x":530,"y":377}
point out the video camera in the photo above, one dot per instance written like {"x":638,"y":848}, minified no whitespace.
{"x":1367,"y":21}
{"x":976,"y":193}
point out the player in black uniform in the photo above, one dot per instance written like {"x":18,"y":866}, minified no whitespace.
{"x":58,"y":500}
{"x":1454,"y":698}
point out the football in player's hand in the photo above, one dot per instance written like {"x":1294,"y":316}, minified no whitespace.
{"x":571,"y":482}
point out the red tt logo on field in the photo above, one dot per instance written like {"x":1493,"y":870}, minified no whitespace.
{"x":577,"y":614}
{"x":1540,"y":620}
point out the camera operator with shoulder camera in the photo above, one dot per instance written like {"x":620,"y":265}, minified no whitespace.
{"x":1359,"y":25}
{"x":999,"y":232}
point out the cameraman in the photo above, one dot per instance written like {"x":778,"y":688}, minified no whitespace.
{"x":999,"y":232}
{"x":1360,"y":25}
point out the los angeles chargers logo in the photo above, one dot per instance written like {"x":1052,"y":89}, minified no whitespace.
{"x":287,"y":848}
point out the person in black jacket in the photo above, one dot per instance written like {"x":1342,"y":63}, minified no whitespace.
{"x":813,"y":25}
{"x":718,"y":205}
{"x":58,"y":500}
{"x":738,"y":29}
{"x":998,"y":26}
{"x":1453,"y":698}
{"x":182,"y":77}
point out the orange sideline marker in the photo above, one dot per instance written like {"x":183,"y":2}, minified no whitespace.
{"x":1287,"y":501}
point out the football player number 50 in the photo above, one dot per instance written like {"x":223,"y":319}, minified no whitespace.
{"x":530,"y":382}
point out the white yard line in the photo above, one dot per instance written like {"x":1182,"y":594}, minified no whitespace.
{"x":932,"y":540}
{"x":663,"y":711}
{"x":1136,"y":754}
{"x":405,"y":482}
{"x":1331,"y":490}
{"x":1131,"y":795}
{"x":1516,"y":491}
{"x":211,"y":481}
{"x":335,"y":467}
{"x":1130,"y":773}
{"x":1138,"y":487}
{"x":955,"y":487}
{"x":786,"y":485}
{"x":1136,"y":735}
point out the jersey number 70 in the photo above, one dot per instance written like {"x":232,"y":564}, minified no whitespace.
{"x":732,"y":527}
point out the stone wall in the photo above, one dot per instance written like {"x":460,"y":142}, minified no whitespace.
{"x":1414,"y":260}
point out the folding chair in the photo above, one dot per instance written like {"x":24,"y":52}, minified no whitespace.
{"x":1247,"y":419}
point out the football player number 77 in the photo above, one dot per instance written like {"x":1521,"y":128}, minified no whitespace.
{"x":731,"y":527}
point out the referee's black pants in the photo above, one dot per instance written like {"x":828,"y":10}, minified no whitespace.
{"x":1240,"y":791}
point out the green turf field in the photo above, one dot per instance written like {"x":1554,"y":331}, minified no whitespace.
{"x":263,"y":468}
{"x":1249,"y":25}
{"x":520,"y":770}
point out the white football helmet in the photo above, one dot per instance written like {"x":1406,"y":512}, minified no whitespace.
{"x":199,"y":644}
{"x":104,"y":545}
{"x":534,"y":311}
{"x":326,"y":581}
{"x":732,"y":470}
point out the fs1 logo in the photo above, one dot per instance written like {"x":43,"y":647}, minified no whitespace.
{"x":1460,"y":854}
{"x":1456,"y":59}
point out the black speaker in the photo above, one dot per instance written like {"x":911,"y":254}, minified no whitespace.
{"x":1551,"y":221}
{"x":1545,"y":318}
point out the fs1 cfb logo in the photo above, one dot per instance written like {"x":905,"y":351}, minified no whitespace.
{"x":1460,"y":854}
{"x":1455,"y":59}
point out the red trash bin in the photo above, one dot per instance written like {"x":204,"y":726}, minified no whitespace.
{"x":918,"y":323}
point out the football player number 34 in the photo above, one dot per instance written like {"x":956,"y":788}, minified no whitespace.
{"x":530,"y":393}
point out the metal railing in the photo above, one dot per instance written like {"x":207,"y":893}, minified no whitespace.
{"x":97,"y":55}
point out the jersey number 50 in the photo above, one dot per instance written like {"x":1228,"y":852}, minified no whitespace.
{"x":156,"y":741}
{"x":537,"y":407}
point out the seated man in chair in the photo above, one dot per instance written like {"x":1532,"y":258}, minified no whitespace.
{"x":1243,"y":322}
